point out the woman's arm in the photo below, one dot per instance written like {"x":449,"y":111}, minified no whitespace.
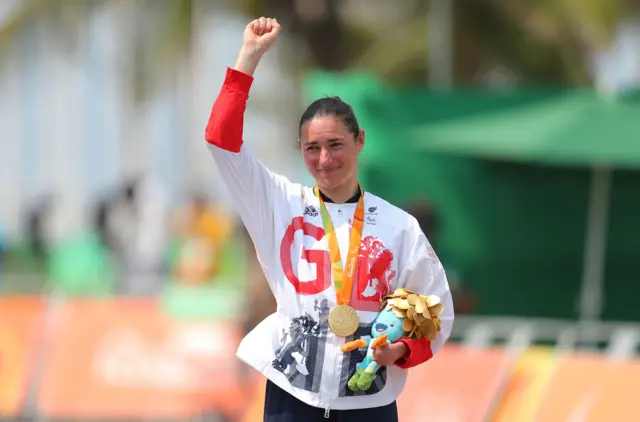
{"x":254,"y":189}
{"x":422,"y":272}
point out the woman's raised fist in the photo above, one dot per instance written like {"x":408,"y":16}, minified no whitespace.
{"x":261,"y":34}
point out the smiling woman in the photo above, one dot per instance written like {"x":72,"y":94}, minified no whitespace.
{"x":330,"y":255}
{"x":330,"y":140}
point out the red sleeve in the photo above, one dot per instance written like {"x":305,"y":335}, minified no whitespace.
{"x":419,"y":352}
{"x":226,"y":122}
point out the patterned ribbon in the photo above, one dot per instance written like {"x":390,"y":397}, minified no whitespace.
{"x":343,"y":280}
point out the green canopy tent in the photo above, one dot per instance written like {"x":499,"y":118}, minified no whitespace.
{"x":495,"y":225}
{"x":577,"y":128}
{"x":573,"y":128}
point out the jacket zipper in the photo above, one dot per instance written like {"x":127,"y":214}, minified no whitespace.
{"x":332,"y":386}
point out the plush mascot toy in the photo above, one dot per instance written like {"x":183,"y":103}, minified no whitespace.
{"x":402,"y":314}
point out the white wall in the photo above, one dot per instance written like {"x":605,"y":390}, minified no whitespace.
{"x":68,"y":126}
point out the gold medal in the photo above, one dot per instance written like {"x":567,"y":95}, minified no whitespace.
{"x":343,"y":320}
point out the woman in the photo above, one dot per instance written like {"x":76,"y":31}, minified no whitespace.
{"x":304,"y":237}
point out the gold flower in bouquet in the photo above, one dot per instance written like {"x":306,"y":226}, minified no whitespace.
{"x":420,"y":314}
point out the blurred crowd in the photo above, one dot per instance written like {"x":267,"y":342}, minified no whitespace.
{"x":135,"y":237}
{"x":138,"y":244}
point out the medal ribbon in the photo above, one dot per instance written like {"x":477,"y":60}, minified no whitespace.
{"x":343,"y":280}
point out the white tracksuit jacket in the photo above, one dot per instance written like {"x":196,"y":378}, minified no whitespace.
{"x":294,"y":347}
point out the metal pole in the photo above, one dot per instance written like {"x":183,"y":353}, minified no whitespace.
{"x":439,"y":41}
{"x":591,"y":295}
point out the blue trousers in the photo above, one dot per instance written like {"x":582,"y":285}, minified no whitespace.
{"x":280,"y":406}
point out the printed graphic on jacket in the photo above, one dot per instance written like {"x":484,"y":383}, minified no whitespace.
{"x":301,"y":353}
{"x":375,"y":274}
{"x":375,"y":271}
{"x":314,"y":260}
{"x":350,"y":362}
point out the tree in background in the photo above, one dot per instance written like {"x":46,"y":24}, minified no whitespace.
{"x":159,"y":30}
{"x":542,"y":42}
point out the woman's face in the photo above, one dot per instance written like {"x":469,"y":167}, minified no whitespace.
{"x":330,"y":151}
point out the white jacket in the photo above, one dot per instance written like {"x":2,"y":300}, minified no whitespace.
{"x":294,"y":347}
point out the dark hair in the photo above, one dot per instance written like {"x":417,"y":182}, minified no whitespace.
{"x":331,"y":106}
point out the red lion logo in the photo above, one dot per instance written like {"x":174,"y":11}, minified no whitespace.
{"x":374,"y":271}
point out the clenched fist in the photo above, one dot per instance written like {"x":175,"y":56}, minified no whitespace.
{"x":260,"y":35}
